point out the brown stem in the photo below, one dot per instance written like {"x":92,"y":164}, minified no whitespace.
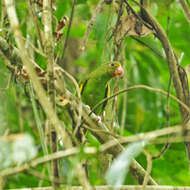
{"x":68,"y":31}
{"x":185,"y":9}
{"x":176,"y":71}
{"x":91,"y":23}
{"x":49,"y":50}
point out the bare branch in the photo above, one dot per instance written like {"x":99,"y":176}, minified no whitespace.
{"x":91,"y":23}
{"x":123,"y":187}
{"x":136,"y":169}
{"x":142,"y":87}
{"x":68,"y":31}
{"x":49,"y":50}
{"x":176,"y":71}
{"x":185,"y":9}
{"x":47,"y":106}
{"x":148,"y":171}
{"x":34,"y":163}
{"x":110,"y":144}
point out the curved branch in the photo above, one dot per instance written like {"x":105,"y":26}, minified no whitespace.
{"x":185,"y":9}
{"x":142,"y":87}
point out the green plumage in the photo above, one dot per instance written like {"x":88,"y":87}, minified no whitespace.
{"x":95,"y":87}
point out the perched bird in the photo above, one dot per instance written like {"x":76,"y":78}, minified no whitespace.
{"x":95,"y":87}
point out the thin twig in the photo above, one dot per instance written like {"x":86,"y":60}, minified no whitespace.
{"x":3,"y":13}
{"x":108,"y":187}
{"x":148,"y":46}
{"x":137,"y":16}
{"x":171,"y":59}
{"x":185,"y":9}
{"x":32,"y":74}
{"x":83,"y":178}
{"x":168,"y":21}
{"x":91,"y":23}
{"x":37,"y":50}
{"x":135,"y":168}
{"x":177,"y":139}
{"x":109,"y":29}
{"x":118,"y":20}
{"x":118,"y":44}
{"x":148,"y":171}
{"x":175,"y":71}
{"x":73,"y":80}
{"x":43,"y":177}
{"x":141,"y":87}
{"x":34,"y":163}
{"x":167,"y":145}
{"x":125,"y":85}
{"x":8,"y":83}
{"x":149,"y":136}
{"x":49,"y":51}
{"x":68,"y":30}
{"x":31,"y":9}
{"x":19,"y":108}
{"x":38,"y":121}
{"x":10,"y":52}
{"x":101,"y":131}
{"x":164,"y":148}
{"x":133,"y":88}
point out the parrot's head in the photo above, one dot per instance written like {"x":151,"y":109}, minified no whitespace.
{"x":114,"y":69}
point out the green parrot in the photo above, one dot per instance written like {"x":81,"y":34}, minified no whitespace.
{"x":95,"y":87}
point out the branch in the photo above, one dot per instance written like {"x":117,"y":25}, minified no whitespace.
{"x":99,"y":132}
{"x":11,"y":53}
{"x":35,"y":163}
{"x":149,"y":168}
{"x":43,"y":99}
{"x":136,"y":169}
{"x":142,"y":87}
{"x":149,"y":47}
{"x":68,"y":31}
{"x":32,"y":11}
{"x":91,"y":23}
{"x":49,"y":50}
{"x":171,"y":59}
{"x":180,"y":86}
{"x":149,"y":136}
{"x":47,"y":106}
{"x":185,"y":9}
{"x":38,"y":121}
{"x":106,"y":187}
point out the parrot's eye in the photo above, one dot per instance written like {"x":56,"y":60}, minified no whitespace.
{"x":112,"y":64}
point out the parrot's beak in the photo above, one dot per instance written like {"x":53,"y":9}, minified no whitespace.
{"x":118,"y":72}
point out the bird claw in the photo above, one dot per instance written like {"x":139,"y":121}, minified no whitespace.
{"x":88,"y":107}
{"x":99,"y":119}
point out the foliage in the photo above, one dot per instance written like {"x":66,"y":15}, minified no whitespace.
{"x":137,"y":111}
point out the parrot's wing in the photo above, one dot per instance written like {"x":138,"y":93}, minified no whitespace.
{"x":107,"y":94}
{"x":82,"y":85}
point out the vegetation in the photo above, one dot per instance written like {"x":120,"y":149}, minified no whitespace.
{"x":49,"y":137}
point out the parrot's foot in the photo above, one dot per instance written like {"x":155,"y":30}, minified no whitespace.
{"x":99,"y":119}
{"x":87,"y":107}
